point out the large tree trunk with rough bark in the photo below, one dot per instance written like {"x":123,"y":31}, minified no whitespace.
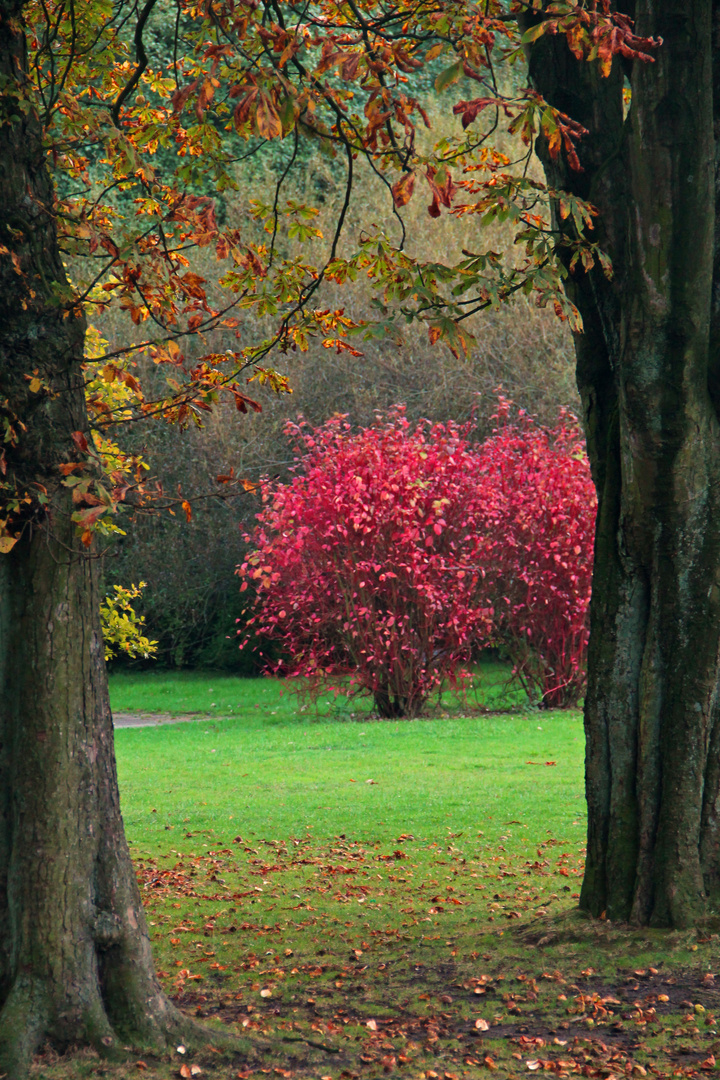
{"x":75,"y":963}
{"x":648,"y":372}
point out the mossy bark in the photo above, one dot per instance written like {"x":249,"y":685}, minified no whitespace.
{"x":75,"y":961}
{"x":647,"y":368}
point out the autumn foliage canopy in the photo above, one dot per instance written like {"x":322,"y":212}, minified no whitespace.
{"x":397,"y":553}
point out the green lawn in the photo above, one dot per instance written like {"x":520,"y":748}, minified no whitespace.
{"x":351,"y":930}
{"x":273,"y":767}
{"x":228,"y":695}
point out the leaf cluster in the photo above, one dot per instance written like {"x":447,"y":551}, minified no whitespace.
{"x":397,"y":551}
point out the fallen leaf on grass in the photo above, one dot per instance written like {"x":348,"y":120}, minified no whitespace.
{"x":266,"y":993}
{"x":372,"y":1024}
{"x":482,"y":1025}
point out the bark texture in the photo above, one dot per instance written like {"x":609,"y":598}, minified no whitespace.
{"x":648,"y":373}
{"x":75,"y":963}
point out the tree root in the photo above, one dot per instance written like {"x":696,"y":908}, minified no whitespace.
{"x":23,"y":1024}
{"x":32,"y":1016}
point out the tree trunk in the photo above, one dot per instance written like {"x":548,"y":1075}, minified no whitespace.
{"x":390,"y":706}
{"x":647,"y":365}
{"x":75,"y":963}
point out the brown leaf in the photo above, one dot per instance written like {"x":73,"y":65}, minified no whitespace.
{"x":268,"y":121}
{"x":349,"y":67}
{"x":403,"y":188}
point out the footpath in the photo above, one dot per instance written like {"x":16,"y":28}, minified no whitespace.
{"x":143,"y":719}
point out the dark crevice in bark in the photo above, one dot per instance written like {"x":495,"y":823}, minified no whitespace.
{"x":714,"y":346}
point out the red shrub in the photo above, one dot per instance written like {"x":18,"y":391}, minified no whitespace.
{"x":397,"y":551}
{"x":537,"y":520}
{"x":366,"y":562}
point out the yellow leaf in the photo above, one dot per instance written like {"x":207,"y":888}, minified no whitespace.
{"x":7,"y":543}
{"x":35,"y":385}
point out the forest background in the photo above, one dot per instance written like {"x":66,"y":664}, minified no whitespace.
{"x":191,"y":601}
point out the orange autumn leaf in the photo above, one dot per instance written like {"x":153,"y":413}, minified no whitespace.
{"x":403,"y":188}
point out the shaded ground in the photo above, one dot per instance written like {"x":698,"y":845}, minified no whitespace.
{"x":362,"y":900}
{"x":354,"y":961}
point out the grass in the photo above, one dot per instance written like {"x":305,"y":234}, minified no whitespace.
{"x":367,"y":899}
{"x":188,"y":692}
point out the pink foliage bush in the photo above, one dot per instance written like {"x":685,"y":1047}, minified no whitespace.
{"x":398,"y":551}
{"x":537,"y":522}
{"x":366,"y":562}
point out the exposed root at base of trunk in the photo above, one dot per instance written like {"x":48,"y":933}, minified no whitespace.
{"x":31,"y":1017}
